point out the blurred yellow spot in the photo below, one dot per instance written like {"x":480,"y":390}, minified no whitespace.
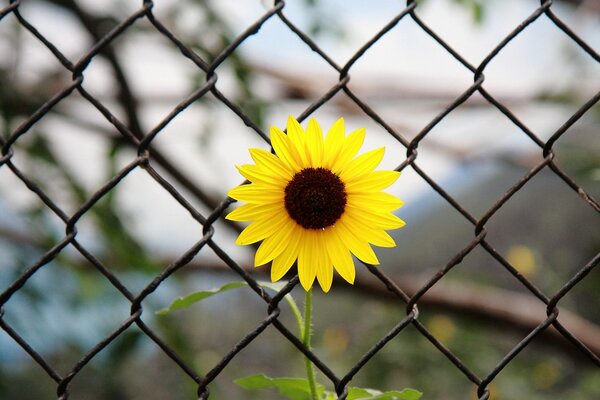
{"x":523,"y":259}
{"x":441,"y":327}
{"x":546,"y":374}
{"x":336,"y":339}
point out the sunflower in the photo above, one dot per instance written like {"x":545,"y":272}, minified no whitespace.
{"x":315,"y":202}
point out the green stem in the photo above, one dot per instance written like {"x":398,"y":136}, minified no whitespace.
{"x":297,"y":314}
{"x":306,"y":336}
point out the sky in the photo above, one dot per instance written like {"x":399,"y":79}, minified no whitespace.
{"x":404,"y":61}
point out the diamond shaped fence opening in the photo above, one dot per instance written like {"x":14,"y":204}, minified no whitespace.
{"x":492,"y":288}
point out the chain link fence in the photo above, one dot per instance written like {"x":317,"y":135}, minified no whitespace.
{"x":148,"y":157}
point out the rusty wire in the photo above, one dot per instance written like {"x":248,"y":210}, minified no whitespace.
{"x":146,"y":155}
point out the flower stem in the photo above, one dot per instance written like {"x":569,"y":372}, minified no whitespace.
{"x":306,"y":336}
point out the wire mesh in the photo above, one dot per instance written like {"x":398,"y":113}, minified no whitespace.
{"x":147,"y":155}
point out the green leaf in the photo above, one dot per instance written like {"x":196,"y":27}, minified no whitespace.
{"x":477,"y":10}
{"x":292,"y":388}
{"x":405,"y":394}
{"x":195,"y":297}
{"x":361,"y":393}
{"x":372,"y":394}
{"x":188,"y":300}
{"x":298,"y":389}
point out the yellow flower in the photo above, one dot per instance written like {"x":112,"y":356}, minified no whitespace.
{"x":523,"y":259}
{"x":314,"y":202}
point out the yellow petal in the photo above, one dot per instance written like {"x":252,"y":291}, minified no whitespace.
{"x":285,"y":150}
{"x":373,"y":182}
{"x":362,"y":165}
{"x":371,"y":234}
{"x":256,"y":194}
{"x":271,"y":164}
{"x":282,"y":263}
{"x":272,"y":246}
{"x":359,"y":247}
{"x":333,"y":143}
{"x":381,"y":238}
{"x":339,"y":255}
{"x":297,"y":137}
{"x":374,"y":219}
{"x":307,"y":259}
{"x":379,"y":201}
{"x":351,"y":145}
{"x":259,"y":229}
{"x":324,"y":266}
{"x":314,"y":143}
{"x":251,"y":212}
{"x":256,"y":175}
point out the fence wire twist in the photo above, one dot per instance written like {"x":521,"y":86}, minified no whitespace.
{"x":131,"y":132}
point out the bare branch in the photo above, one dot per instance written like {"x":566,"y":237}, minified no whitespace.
{"x":512,"y":309}
{"x":508,"y":308}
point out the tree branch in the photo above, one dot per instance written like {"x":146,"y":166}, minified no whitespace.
{"x":508,"y":308}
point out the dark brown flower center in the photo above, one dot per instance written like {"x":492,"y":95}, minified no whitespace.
{"x":315,"y":198}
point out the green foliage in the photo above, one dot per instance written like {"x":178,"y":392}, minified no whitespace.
{"x":292,"y":388}
{"x":476,"y":7}
{"x":372,"y":394}
{"x":298,"y":389}
{"x":195,"y":297}
{"x":121,"y":247}
{"x":580,"y":161}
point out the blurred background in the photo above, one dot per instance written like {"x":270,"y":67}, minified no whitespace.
{"x":479,"y":310}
